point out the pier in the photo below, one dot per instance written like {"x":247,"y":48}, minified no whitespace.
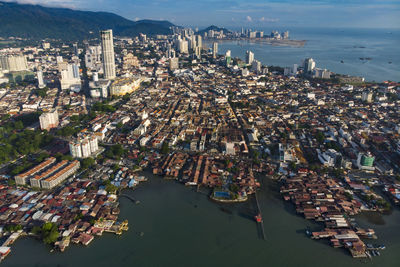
{"x":260,"y":224}
{"x":130,"y":198}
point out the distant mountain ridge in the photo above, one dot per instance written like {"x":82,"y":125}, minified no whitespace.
{"x":35,"y":21}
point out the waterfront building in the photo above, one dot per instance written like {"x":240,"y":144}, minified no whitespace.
{"x":321,"y":73}
{"x":309,"y":65}
{"x":249,"y":57}
{"x":49,"y":120}
{"x":285,"y":35}
{"x":107,"y":47}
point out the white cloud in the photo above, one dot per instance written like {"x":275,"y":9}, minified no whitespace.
{"x":249,"y":19}
{"x":50,"y":3}
{"x":264,"y":19}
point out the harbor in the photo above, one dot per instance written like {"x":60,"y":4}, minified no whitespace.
{"x":197,"y":225}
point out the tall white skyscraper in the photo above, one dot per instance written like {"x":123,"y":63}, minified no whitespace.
{"x":13,"y":62}
{"x":107,"y":46}
{"x":183,"y":46}
{"x":84,"y":146}
{"x":41,"y":83}
{"x":309,"y":65}
{"x":199,"y":42}
{"x":249,"y":57}
{"x":215,"y":50}
{"x":256,"y":66}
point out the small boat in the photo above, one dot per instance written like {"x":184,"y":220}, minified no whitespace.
{"x":368,"y":254}
{"x":378,"y":253}
{"x":341,"y":61}
{"x":258,"y":218}
{"x":382,"y":246}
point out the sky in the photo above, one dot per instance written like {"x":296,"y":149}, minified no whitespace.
{"x":248,"y":13}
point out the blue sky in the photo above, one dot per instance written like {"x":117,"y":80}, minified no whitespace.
{"x":251,"y":13}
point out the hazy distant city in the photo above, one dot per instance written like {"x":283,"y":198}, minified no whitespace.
{"x":189,"y":141}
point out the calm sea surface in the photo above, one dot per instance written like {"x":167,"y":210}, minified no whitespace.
{"x":184,"y":228}
{"x":328,"y":47}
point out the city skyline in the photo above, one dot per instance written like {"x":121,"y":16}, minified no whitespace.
{"x":254,"y":13}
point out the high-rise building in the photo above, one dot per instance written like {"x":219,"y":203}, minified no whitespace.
{"x":215,"y":50}
{"x":197,"y":51}
{"x":249,"y":57}
{"x":75,"y":149}
{"x":294,"y":69}
{"x":367,"y":96}
{"x":13,"y":62}
{"x":365,"y":161}
{"x":40,"y":79}
{"x":107,"y":46}
{"x":309,"y":65}
{"x":76,"y":50}
{"x":321,"y":73}
{"x":192,"y":43}
{"x":183,"y":46}
{"x":93,"y":57}
{"x":173,"y":63}
{"x":199,"y":41}
{"x":70,"y":77}
{"x":46,"y":45}
{"x":59,"y":59}
{"x":49,"y":120}
{"x":256,"y":66}
{"x":285,"y":35}
{"x":169,"y":50}
{"x":84,"y":147}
